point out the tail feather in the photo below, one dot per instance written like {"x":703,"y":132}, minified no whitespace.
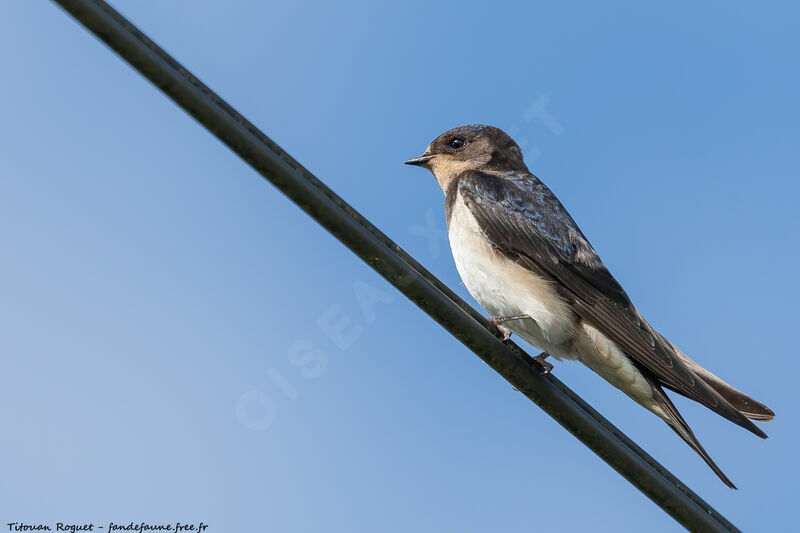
{"x":746,"y":405}
{"x":740,"y":401}
{"x":679,"y":425}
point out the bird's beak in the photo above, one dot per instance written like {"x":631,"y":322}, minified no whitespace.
{"x":420,"y":161}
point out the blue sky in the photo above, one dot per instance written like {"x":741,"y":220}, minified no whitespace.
{"x":166,"y":339}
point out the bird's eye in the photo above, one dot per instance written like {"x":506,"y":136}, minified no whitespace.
{"x":457,"y":142}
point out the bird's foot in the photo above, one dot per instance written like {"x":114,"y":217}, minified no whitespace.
{"x":547,"y":367}
{"x":541,"y":360}
{"x":497,"y":321}
{"x":503,"y":329}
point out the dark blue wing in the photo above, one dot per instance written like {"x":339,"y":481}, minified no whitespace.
{"x":524,"y":220}
{"x":529,"y":219}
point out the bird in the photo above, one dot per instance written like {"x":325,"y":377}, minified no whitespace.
{"x":527,"y":263}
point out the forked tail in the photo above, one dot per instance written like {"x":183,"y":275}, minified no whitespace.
{"x":679,"y":425}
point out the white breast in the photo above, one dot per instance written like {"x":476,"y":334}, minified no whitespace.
{"x":505,"y":288}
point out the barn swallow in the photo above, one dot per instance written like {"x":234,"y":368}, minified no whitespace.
{"x":526,"y":261}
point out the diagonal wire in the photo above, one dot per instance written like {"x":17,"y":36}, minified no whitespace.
{"x":397,"y":267}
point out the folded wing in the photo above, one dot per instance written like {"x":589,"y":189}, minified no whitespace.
{"x":524,"y":220}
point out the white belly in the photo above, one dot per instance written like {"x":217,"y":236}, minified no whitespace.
{"x":504,"y":288}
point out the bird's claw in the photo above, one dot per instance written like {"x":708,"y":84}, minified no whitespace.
{"x":546,"y":367}
{"x":503,"y":329}
{"x":541,"y":360}
{"x":498,"y":321}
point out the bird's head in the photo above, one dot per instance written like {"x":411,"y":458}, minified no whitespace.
{"x":472,"y":147}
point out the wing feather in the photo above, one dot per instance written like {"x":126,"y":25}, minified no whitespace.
{"x":525,"y":221}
